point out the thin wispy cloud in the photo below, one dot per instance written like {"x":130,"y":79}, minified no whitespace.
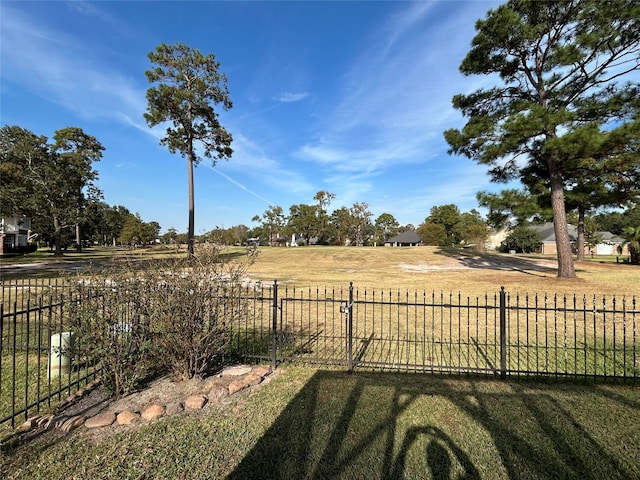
{"x":63,"y":69}
{"x":289,"y":97}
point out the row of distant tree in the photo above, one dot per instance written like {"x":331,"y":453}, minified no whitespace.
{"x":445,"y":225}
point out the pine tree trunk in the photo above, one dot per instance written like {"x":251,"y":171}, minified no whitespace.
{"x":191,"y":233}
{"x":566,"y":268}
{"x":78,"y":239}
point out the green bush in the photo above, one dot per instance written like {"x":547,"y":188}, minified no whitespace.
{"x":522,"y":239}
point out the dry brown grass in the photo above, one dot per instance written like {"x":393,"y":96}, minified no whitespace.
{"x":434,"y":269}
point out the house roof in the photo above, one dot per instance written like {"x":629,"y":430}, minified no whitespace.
{"x":410,"y":236}
{"x":548,"y":235}
{"x":608,"y":237}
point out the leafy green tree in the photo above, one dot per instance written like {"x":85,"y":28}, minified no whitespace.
{"x":323,"y":200}
{"x":304,"y":221}
{"x":170,"y":235}
{"x":20,"y":152}
{"x":406,"y":228}
{"x":449,"y":217}
{"x":616,"y":222}
{"x":238,"y":234}
{"x":361,"y":227}
{"x":476,"y":235}
{"x":632,"y":235}
{"x":115,"y":218}
{"x":272,"y":222}
{"x":132,"y":231}
{"x":187,"y":87}
{"x":432,"y":233}
{"x":560,"y":66}
{"x":522,"y":239}
{"x":386,"y":227}
{"x":55,"y":180}
{"x":473,"y":230}
{"x":341,"y":220}
{"x":79,"y":149}
{"x":151,"y":231}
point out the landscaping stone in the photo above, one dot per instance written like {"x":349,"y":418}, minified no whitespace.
{"x":127,"y":417}
{"x":174,"y":408}
{"x":57,"y":422}
{"x":261,"y":370}
{"x":43,"y":421}
{"x":217,"y":393}
{"x":153,"y":412}
{"x":198,"y":392}
{"x":195,"y":402}
{"x":72,"y":424}
{"x":30,"y":423}
{"x":236,"y":371}
{"x":101,"y":420}
{"x":252,"y":379}
{"x":236,"y":386}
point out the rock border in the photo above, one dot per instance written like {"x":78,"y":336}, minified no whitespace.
{"x":242,"y":377}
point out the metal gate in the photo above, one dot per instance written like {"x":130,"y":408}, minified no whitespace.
{"x":390,"y":331}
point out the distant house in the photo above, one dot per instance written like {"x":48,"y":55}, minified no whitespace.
{"x":14,"y":234}
{"x":405,"y":239}
{"x":608,"y":245}
{"x":496,"y":237}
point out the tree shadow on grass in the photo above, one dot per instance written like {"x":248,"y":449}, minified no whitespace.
{"x":492,"y":261}
{"x":395,"y":426}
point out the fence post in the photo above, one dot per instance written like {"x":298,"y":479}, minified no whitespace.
{"x":274,"y":325}
{"x":503,"y":333}
{"x":350,"y":329}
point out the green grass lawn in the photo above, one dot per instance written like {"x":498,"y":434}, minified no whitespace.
{"x":314,"y":423}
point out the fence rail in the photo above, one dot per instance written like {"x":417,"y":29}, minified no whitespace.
{"x":496,"y":334}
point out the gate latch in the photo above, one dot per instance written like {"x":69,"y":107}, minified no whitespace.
{"x":346,"y":307}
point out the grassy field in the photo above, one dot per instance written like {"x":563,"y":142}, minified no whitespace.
{"x":319,"y":423}
{"x":421,"y":268}
{"x":432,"y":268}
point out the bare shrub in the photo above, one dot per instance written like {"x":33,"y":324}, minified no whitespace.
{"x":110,"y":332}
{"x":136,"y":319}
{"x":191,"y":306}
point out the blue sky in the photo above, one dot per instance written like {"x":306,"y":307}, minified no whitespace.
{"x":346,"y":97}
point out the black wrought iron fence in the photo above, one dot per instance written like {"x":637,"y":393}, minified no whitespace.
{"x":497,"y":334}
{"x":36,"y":368}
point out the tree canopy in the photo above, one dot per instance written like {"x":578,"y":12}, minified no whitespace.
{"x":559,"y":68}
{"x":51,"y":182}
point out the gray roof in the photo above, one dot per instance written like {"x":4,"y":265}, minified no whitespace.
{"x":410,"y":236}
{"x":548,"y":235}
